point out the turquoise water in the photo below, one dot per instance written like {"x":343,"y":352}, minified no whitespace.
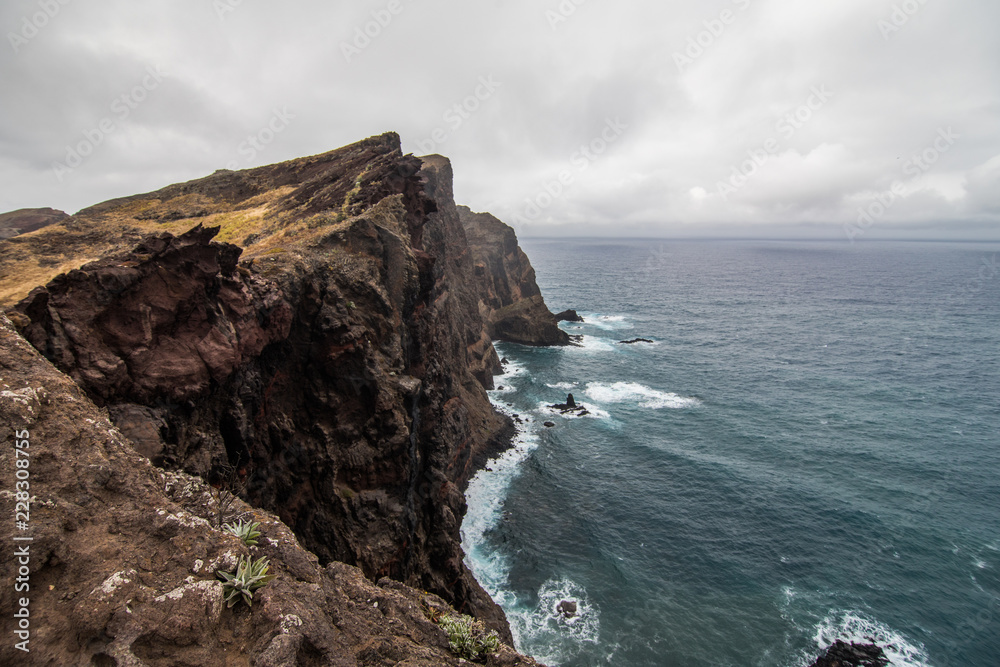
{"x":807,"y":451}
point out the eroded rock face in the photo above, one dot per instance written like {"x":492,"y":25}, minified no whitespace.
{"x":158,"y":324}
{"x":510,"y":302}
{"x":123,"y":562}
{"x":339,"y":362}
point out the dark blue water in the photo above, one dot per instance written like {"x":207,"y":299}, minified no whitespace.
{"x":810,"y":450}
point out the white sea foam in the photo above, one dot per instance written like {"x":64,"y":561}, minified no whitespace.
{"x":565,"y":386}
{"x":853,"y":626}
{"x":548,"y":634}
{"x":593,"y":412}
{"x":632,"y":392}
{"x":607,"y":322}
{"x":485,"y":495}
{"x":592,"y":344}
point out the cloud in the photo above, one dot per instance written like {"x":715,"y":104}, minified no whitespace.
{"x":344,"y":72}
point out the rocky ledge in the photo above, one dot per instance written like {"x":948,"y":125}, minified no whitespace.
{"x":310,"y":332}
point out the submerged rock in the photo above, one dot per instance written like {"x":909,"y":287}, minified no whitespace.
{"x":634,"y":341}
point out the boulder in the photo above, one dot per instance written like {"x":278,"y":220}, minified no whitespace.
{"x":567,"y":608}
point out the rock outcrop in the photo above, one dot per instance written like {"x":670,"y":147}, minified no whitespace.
{"x":842,"y":654}
{"x":510,"y":302}
{"x":315,"y":325}
{"x":569,"y":316}
{"x":27,"y":220}
{"x":122,"y":565}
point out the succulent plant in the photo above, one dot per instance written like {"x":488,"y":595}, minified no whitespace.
{"x":249,"y":576}
{"x":246,"y":531}
{"x":468,"y":637}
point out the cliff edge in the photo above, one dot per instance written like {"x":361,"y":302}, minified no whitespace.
{"x":510,"y":302}
{"x":314,"y":325}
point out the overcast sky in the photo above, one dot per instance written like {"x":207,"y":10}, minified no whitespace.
{"x":864,"y":118}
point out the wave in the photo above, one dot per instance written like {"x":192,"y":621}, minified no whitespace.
{"x":854,"y":626}
{"x":548,"y":635}
{"x":592,"y":412}
{"x":607,"y":322}
{"x":541,"y":629}
{"x":590,"y":344}
{"x":486,"y":494}
{"x":632,"y":392}
{"x":565,"y":386}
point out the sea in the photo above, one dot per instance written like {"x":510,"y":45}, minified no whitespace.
{"x":807,"y":450}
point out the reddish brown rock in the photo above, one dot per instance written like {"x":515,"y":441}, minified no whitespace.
{"x":122,"y":566}
{"x":339,"y":362}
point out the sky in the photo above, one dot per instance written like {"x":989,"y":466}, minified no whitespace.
{"x":849,"y":119}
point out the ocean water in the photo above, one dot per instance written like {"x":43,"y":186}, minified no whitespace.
{"x":808,"y":451}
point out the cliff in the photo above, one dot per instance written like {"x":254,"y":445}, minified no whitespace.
{"x":121,"y":566}
{"x":510,"y":302}
{"x":313,"y":325}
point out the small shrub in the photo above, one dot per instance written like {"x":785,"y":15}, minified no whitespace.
{"x":246,"y":531}
{"x":249,"y":576}
{"x":468,"y":637}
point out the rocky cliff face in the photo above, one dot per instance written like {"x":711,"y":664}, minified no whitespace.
{"x":314,"y":325}
{"x":121,"y":565}
{"x":510,"y":302}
